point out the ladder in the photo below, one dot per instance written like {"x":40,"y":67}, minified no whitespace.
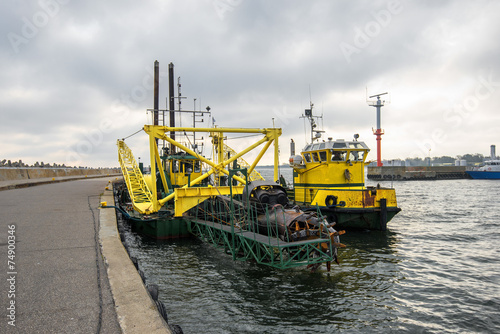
{"x":141,"y":196}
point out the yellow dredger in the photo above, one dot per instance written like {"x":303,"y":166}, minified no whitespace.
{"x":254,"y":219}
{"x":331,"y":175}
{"x":222,"y":199}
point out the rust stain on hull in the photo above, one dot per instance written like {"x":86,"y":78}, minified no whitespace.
{"x":368,"y":199}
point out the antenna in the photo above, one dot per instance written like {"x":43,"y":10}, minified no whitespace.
{"x":179,"y":94}
{"x":315,"y":134}
{"x":377,"y":95}
{"x":322,"y":125}
{"x":310,"y":98}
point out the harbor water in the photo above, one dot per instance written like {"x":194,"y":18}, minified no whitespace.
{"x":436,"y":270}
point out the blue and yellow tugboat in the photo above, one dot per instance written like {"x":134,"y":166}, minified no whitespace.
{"x":330,"y":175}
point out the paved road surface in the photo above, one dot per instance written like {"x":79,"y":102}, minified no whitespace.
{"x":60,"y":284}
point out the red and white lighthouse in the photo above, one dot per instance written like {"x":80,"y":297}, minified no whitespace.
{"x":378,"y":132}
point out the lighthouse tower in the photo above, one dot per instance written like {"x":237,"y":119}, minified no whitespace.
{"x":378,"y":104}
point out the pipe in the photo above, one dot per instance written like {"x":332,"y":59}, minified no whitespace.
{"x":156,"y":95}
{"x":171,"y":98}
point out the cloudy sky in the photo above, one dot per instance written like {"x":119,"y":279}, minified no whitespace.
{"x":77,"y":75}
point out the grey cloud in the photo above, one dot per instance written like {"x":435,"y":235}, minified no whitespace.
{"x":252,"y":62}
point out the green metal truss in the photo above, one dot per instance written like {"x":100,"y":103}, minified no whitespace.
{"x":246,"y":245}
{"x":228,"y":225}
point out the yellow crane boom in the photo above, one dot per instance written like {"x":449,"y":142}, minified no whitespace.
{"x":141,"y":196}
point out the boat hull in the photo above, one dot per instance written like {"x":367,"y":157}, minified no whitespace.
{"x":365,"y":208}
{"x":161,"y":228}
{"x":360,"y":218}
{"x":484,"y":175}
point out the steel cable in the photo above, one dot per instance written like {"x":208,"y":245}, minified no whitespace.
{"x":133,"y":134}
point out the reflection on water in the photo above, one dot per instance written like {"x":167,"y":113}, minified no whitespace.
{"x":199,"y":282}
{"x":436,"y":270}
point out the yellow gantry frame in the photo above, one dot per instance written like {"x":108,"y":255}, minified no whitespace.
{"x":271,"y":135}
{"x":253,"y":175}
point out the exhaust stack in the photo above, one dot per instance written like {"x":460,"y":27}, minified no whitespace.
{"x":171,"y":99}
{"x":156,"y":95}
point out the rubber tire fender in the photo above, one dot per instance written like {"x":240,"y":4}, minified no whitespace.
{"x":153,"y":291}
{"x":331,"y":201}
{"x":162,"y":310}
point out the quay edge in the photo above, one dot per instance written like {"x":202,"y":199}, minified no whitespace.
{"x":135,"y":309}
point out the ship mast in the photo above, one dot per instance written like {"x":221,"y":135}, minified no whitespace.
{"x":315,"y":134}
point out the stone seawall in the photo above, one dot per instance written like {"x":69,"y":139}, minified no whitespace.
{"x":27,"y":173}
{"x":398,"y":173}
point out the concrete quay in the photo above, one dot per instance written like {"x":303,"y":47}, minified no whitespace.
{"x":25,"y":183}
{"x":13,"y":178}
{"x":64,"y":269}
{"x":27,"y":173}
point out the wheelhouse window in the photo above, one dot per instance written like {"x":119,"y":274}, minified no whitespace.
{"x":307,"y":157}
{"x":322,"y":156}
{"x":315,"y":157}
{"x":338,"y":155}
{"x":356,"y":155}
{"x":339,"y":145}
{"x":175,"y":166}
{"x":355,"y":145}
{"x":187,"y":167}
